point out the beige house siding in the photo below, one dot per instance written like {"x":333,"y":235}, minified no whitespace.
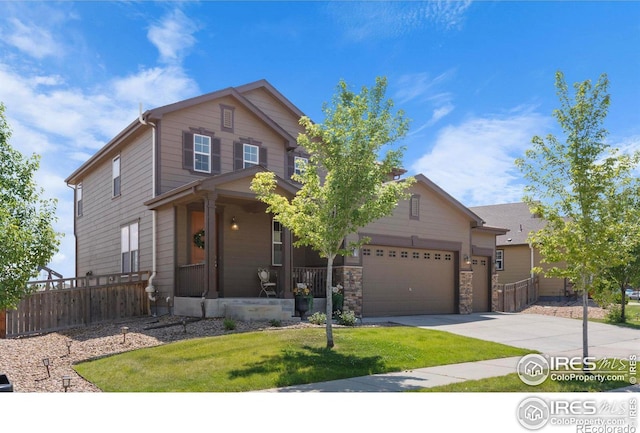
{"x":207,"y":116}
{"x":275,"y":110}
{"x":165,"y":250}
{"x":438,"y":220}
{"x":517,"y":260}
{"x":98,"y":229}
{"x":517,"y":267}
{"x":549,"y":286}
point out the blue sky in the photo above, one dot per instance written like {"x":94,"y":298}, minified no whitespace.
{"x":476,"y":78}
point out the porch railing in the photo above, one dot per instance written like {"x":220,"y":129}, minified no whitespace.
{"x":316,"y":278}
{"x":191,"y":280}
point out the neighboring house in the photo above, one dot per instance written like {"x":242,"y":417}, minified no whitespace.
{"x":515,"y":257}
{"x":170,"y":194}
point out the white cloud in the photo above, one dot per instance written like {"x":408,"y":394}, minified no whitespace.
{"x":367,"y":20}
{"x":65,"y":122}
{"x":474,"y":161}
{"x":173,"y":36}
{"x":143,"y":86}
{"x":33,"y":39}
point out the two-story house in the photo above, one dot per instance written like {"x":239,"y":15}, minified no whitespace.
{"x":171,"y":194}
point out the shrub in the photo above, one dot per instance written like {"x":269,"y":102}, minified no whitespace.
{"x":229,"y":324}
{"x":614,"y":314}
{"x":275,"y":323}
{"x":318,"y":318}
{"x":347,"y":318}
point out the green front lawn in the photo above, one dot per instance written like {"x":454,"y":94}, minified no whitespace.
{"x":283,"y":357}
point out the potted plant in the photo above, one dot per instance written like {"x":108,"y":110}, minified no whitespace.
{"x":303,"y":299}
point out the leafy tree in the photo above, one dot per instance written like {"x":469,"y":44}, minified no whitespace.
{"x":345,"y":185}
{"x":622,"y":276}
{"x":585,"y":191}
{"x":26,"y":232}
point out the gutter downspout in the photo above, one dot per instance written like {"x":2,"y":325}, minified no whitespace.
{"x":150,"y":289}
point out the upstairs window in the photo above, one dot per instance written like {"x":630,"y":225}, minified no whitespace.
{"x":499,"y":260}
{"x":129,"y":248}
{"x":79,"y":200}
{"x":201,"y":153}
{"x":115,"y":170}
{"x":250,"y":155}
{"x":299,"y":164}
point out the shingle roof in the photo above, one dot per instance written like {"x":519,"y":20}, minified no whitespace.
{"x":513,"y":216}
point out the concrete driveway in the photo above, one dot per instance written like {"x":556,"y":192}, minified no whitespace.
{"x":547,"y":334}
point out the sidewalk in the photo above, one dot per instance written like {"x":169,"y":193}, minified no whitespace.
{"x":413,"y":379}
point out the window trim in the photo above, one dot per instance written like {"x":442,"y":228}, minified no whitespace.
{"x":244,"y":160}
{"x":208,"y":155}
{"x":274,"y":242}
{"x":116,"y":181}
{"x":133,"y":260}
{"x":500,"y":261}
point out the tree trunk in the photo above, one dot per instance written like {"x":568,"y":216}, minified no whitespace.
{"x":585,"y":321}
{"x":623,"y":302}
{"x":329,"y":309}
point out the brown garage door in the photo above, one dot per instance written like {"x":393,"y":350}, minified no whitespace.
{"x":480,"y":267}
{"x":403,"y":281}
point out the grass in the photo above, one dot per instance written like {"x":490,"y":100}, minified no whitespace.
{"x":512,"y":383}
{"x":276,"y":358}
{"x":632,"y":314}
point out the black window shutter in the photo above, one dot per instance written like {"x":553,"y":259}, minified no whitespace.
{"x":290,"y":164}
{"x":187,"y":150}
{"x":263,"y":156}
{"x":215,"y":155}
{"x":237,"y":155}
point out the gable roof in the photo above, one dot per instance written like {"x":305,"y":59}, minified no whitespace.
{"x":476,"y":220}
{"x":157,"y":113}
{"x":514,"y":216}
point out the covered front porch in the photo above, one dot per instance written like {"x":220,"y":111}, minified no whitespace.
{"x":222,"y":235}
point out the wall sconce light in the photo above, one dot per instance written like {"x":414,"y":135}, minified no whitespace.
{"x":69,"y":347}
{"x":234,"y":224}
{"x":66,"y":382}
{"x":45,"y":362}
{"x":124,"y":330}
{"x":467,"y":259}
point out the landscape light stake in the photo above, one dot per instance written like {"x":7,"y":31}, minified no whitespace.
{"x":45,"y":362}
{"x":66,"y":382}
{"x":69,"y":347}
{"x":184,"y":325}
{"x":124,"y":329}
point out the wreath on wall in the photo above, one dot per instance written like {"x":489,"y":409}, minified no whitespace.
{"x":198,"y":239}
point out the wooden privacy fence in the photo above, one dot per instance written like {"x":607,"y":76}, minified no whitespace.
{"x":72,"y":302}
{"x":514,"y":297}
